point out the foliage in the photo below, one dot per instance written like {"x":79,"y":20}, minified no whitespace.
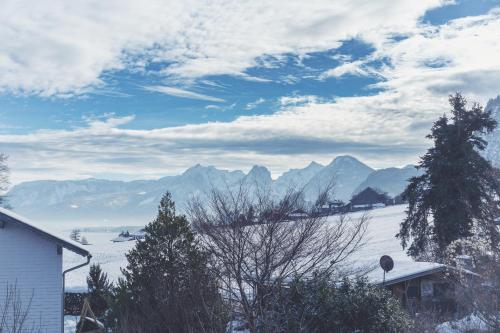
{"x":320,"y":305}
{"x":99,"y":290}
{"x":458,"y":187}
{"x":479,"y":293}
{"x":84,"y":241}
{"x":167,"y":285}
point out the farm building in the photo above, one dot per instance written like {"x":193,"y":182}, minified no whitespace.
{"x":31,"y":272}
{"x":332,"y":207}
{"x":369,"y":198}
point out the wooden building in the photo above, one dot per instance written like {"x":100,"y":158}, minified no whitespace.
{"x":31,"y":265}
{"x":369,"y":198}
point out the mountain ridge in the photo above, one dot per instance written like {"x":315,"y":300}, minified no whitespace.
{"x":112,"y":202}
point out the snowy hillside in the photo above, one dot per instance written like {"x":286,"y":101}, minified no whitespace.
{"x":380,"y":237}
{"x":96,"y":202}
{"x":492,"y":152}
{"x":393,"y":181}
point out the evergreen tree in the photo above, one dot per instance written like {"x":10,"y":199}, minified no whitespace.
{"x":99,"y":289}
{"x":84,"y":241}
{"x":322,"y":305}
{"x":168,"y":286}
{"x":458,"y":188}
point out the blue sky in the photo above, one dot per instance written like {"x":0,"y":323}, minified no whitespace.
{"x":124,"y":90}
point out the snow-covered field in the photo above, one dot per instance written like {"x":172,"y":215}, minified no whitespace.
{"x":383,"y":226}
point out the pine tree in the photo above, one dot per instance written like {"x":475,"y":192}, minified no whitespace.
{"x":84,"y":241}
{"x":167,"y":280}
{"x":99,"y":289}
{"x":458,"y":188}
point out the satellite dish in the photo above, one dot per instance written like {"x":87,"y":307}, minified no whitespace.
{"x":386,"y":263}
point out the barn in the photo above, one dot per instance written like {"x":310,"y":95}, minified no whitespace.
{"x":369,"y":198}
{"x":31,"y":273}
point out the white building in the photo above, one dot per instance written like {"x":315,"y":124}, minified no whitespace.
{"x":31,"y":261}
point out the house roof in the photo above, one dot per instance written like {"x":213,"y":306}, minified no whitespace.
{"x":428,"y":269}
{"x":8,"y":217}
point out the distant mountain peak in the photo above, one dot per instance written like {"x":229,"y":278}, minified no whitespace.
{"x":259,"y":170}
{"x":344,"y":159}
{"x":314,"y":164}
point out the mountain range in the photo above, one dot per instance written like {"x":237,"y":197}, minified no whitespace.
{"x":99,"y":202}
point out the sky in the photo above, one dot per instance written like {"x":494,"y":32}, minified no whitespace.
{"x":124,"y":89}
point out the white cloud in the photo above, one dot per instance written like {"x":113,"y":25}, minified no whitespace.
{"x":183,"y":93}
{"x":254,"y":104}
{"x":461,"y":55}
{"x":368,"y":127}
{"x":353,"y":68}
{"x":295,"y":100}
{"x":385,"y":128}
{"x":213,"y":107}
{"x":60,"y":47}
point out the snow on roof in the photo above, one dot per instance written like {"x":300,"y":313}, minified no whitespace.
{"x":381,"y":240}
{"x":8,"y":216}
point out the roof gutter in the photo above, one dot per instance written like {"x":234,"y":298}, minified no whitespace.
{"x":64,"y":287}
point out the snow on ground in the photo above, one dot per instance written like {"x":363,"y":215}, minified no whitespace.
{"x":111,"y":257}
{"x":70,"y":323}
{"x":381,"y":239}
{"x":383,"y":226}
{"x":470,"y":323}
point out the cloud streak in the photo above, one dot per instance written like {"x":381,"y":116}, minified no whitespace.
{"x":181,"y":93}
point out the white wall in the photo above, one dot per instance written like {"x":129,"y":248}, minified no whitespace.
{"x":34,"y":264}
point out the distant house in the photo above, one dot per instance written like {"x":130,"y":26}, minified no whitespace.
{"x":332,"y":207}
{"x":369,"y":198}
{"x":126,"y":236}
{"x":139,"y":234}
{"x":31,"y":261}
{"x":298,"y":214}
{"x":426,"y":286}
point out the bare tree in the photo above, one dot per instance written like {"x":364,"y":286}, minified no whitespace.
{"x":14,"y":313}
{"x":259,"y":244}
{"x":75,"y":235}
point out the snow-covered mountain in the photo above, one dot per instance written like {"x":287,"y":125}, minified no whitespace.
{"x":393,"y":181}
{"x":100,"y":202}
{"x":296,"y":178}
{"x":345,"y":172}
{"x":492,"y":152}
{"x":258,"y":179}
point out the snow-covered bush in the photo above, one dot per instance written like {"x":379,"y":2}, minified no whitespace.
{"x":322,"y":305}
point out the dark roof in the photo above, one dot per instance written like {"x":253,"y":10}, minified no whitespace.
{"x":425,"y":272}
{"x":8,"y":217}
{"x":369,"y":195}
